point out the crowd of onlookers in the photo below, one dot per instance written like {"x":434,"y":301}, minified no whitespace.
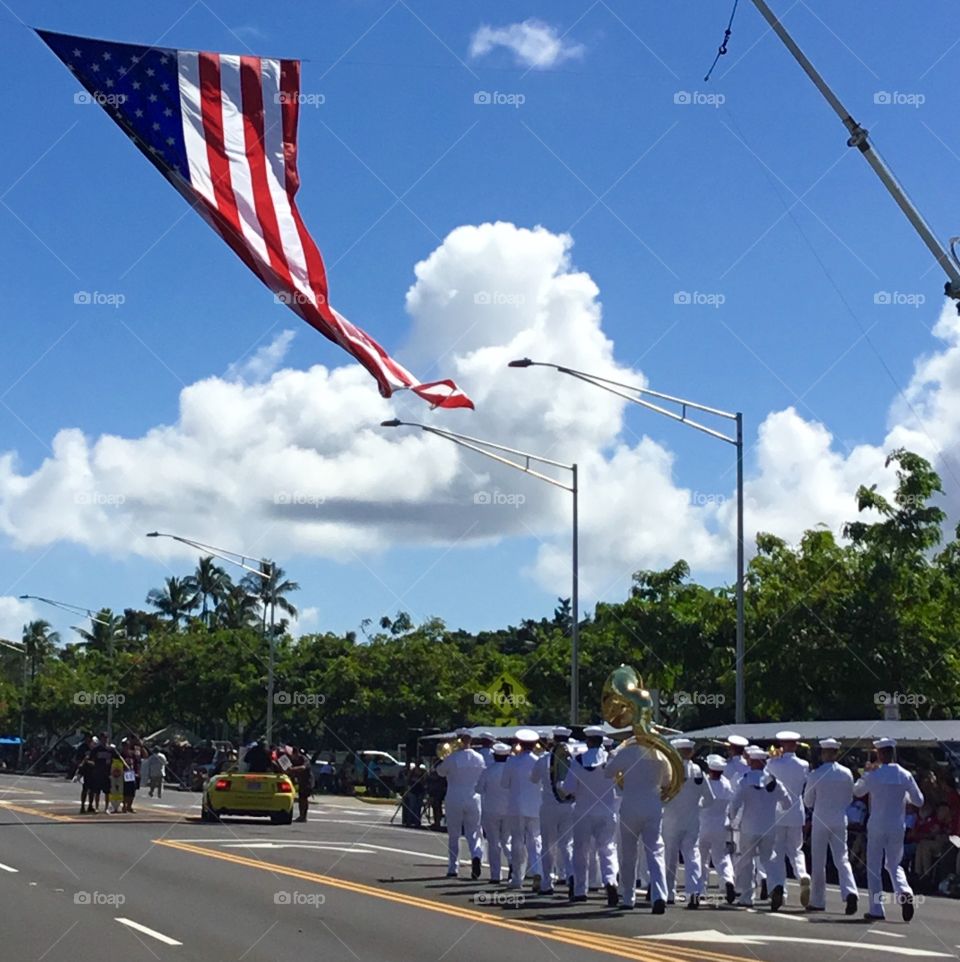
{"x":111,"y":774}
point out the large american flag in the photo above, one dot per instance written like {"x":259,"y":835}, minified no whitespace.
{"x":223,"y":130}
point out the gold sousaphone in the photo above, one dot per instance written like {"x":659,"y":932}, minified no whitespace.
{"x":625,"y":702}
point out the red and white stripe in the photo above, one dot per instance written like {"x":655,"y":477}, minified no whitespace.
{"x":240,"y":131}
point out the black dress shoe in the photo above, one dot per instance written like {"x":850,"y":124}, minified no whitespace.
{"x":579,"y":898}
{"x":776,"y":898}
{"x":731,"y":893}
{"x":658,"y":907}
{"x":475,"y":867}
{"x":693,"y":902}
{"x":612,"y":896}
{"x":451,"y":874}
{"x":851,"y":905}
{"x":906,"y":908}
{"x":764,"y":894}
{"x":870,"y":917}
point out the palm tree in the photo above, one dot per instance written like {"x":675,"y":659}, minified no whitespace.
{"x":39,"y":643}
{"x":175,"y":599}
{"x":210,"y":581}
{"x":106,"y":633}
{"x":271,"y":589}
{"x":237,"y":609}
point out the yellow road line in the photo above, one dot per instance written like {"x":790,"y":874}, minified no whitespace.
{"x":24,"y":810}
{"x":625,"y":948}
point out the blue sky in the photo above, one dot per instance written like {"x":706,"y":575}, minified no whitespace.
{"x":756,"y":199}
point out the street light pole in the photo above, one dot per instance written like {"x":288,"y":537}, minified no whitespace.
{"x":488,"y":449}
{"x":638,"y":395}
{"x":240,"y":560}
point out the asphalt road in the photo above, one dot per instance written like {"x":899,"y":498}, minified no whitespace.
{"x":348,"y":885}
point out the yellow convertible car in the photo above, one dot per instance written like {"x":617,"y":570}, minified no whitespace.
{"x":241,"y":793}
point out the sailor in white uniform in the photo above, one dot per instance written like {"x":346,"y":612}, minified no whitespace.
{"x":829,"y":792}
{"x":681,"y":826}
{"x":523,"y":810}
{"x":483,"y":743}
{"x":462,"y":770}
{"x":890,"y":788}
{"x":556,"y":821}
{"x":494,"y":799}
{"x":791,"y":772}
{"x":716,"y":837}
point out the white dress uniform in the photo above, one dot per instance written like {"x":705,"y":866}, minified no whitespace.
{"x":756,"y":800}
{"x":645,"y":772}
{"x":715,"y":832}
{"x":735,"y":769}
{"x":594,"y":818}
{"x":462,"y":770}
{"x":556,"y":825}
{"x":523,"y":813}
{"x":681,"y":830}
{"x":791,"y":772}
{"x":494,"y":799}
{"x":890,"y":787}
{"x":828,"y":793}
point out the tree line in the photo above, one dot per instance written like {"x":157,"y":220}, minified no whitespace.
{"x":835,"y":628}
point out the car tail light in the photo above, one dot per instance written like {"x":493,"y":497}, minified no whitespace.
{"x":222,"y":784}
{"x":285,"y":787}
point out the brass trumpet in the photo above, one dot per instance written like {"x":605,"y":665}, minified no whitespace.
{"x":447,"y":748}
{"x":625,"y":702}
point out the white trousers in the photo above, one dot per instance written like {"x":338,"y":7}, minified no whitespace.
{"x":640,"y":834}
{"x":713,"y":848}
{"x":524,"y":848}
{"x":497,"y":830}
{"x":756,"y":850}
{"x":682,"y":841}
{"x":788,"y":841}
{"x":594,"y":832}
{"x":834,"y":836}
{"x":885,"y":846}
{"x":463,"y":818}
{"x":556,"y":833}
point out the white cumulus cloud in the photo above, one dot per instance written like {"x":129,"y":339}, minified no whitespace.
{"x":533,"y":42}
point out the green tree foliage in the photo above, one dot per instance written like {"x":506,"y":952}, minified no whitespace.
{"x":834,"y":626}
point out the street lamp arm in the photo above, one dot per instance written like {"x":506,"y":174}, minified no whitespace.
{"x":19,"y":649}
{"x":222,"y":553}
{"x":66,"y":606}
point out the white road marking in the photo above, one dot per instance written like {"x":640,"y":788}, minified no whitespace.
{"x":315,"y":846}
{"x":787,"y":917}
{"x":889,"y":935}
{"x":7,"y":868}
{"x":724,"y":938}
{"x":159,"y":936}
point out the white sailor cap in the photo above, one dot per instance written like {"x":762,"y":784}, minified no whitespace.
{"x":829,"y":743}
{"x":885,"y":743}
{"x":594,"y":731}
{"x":737,"y":740}
{"x":716,"y":763}
{"x":526,"y":735}
{"x":501,"y":748}
{"x":577,"y":748}
{"x":755,"y":751}
{"x":681,"y":743}
{"x":788,"y":736}
{"x":464,"y":733}
{"x":561,"y":732}
{"x":607,"y":741}
{"x":486,"y":736}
